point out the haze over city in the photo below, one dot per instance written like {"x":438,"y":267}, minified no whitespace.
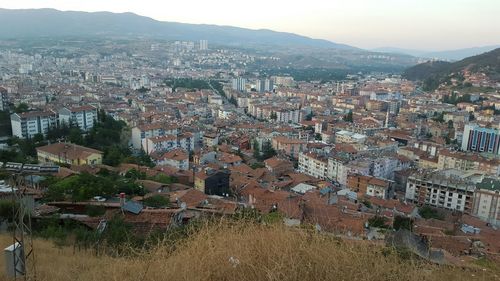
{"x":411,"y":24}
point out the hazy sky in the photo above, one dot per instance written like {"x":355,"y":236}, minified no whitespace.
{"x":415,"y":24}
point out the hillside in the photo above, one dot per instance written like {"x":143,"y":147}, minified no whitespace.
{"x":435,"y":72}
{"x":36,"y":23}
{"x":246,"y":252}
{"x":449,"y":55}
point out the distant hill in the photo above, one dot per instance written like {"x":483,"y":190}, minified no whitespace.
{"x":36,"y":23}
{"x":448,"y":55}
{"x":436,"y":72}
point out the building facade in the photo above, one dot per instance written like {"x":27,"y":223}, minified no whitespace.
{"x":28,"y":124}
{"x":449,"y":189}
{"x":481,"y":139}
{"x":84,"y":117}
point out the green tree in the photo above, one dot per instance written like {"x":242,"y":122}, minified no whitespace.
{"x":156,"y":201}
{"x":273,"y":116}
{"x":267,"y":150}
{"x":402,"y":223}
{"x":348,"y":117}
{"x":256,"y":149}
{"x":378,"y":221}
{"x":22,"y":107}
{"x":164,"y":179}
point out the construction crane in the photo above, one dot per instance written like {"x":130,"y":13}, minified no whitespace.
{"x":21,"y":254}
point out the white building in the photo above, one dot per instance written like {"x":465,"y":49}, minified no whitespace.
{"x":177,"y":158}
{"x":313,"y":164}
{"x":203,"y":45}
{"x":28,"y":124}
{"x":337,"y":170}
{"x":82,"y":116}
{"x":142,"y":132}
{"x":159,"y":144}
{"x":239,"y":84}
{"x":349,"y":137}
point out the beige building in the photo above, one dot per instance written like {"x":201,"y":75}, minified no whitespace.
{"x":486,"y":204}
{"x":69,"y":153}
{"x":466,"y":162}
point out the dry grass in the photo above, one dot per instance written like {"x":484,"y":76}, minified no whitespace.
{"x":262,"y":253}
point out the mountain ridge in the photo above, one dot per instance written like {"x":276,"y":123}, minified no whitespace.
{"x":450,"y":55}
{"x":433,"y":73}
{"x":36,"y":23}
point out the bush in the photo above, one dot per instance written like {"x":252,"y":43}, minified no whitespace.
{"x":156,"y":201}
{"x":402,"y":223}
{"x":429,"y":213}
{"x":94,"y":211}
{"x":7,"y":209}
{"x":378,"y":221}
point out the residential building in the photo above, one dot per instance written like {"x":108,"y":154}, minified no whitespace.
{"x":349,"y":137}
{"x":82,"y":116}
{"x":239,"y":84}
{"x":159,"y":144}
{"x":313,"y":164}
{"x":291,"y":147}
{"x":264,"y":85}
{"x":203,"y":45}
{"x":371,"y":186}
{"x":212,"y":182}
{"x":487,"y":201}
{"x":177,"y":158}
{"x":139,"y":133}
{"x":481,"y":139}
{"x":278,"y":166}
{"x":449,"y":189}
{"x":337,"y":169}
{"x":28,"y":124}
{"x":69,"y":153}
{"x":467,"y":162}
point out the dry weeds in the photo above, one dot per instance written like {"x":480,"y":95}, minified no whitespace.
{"x":245,"y":252}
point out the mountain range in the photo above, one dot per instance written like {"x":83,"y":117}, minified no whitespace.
{"x":36,"y":23}
{"x":447,"y":55}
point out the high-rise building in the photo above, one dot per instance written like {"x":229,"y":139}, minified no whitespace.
{"x":28,"y":124}
{"x":481,"y":139}
{"x":264,"y":85}
{"x":203,"y":45}
{"x":239,"y":84}
{"x":4,"y":103}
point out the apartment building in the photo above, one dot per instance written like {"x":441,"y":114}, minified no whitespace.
{"x":291,"y":147}
{"x":28,"y":124}
{"x":371,"y":186}
{"x":481,"y":139}
{"x":139,"y":133}
{"x":467,"y":162}
{"x":313,"y":164}
{"x":82,"y":116}
{"x":487,"y":201}
{"x":449,"y":189}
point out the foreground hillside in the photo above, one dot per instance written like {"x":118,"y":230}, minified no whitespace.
{"x":246,"y":252}
{"x":488,"y":62}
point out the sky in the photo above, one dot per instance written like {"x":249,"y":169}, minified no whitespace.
{"x":411,"y":24}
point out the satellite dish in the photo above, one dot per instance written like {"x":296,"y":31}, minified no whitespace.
{"x":183,"y":206}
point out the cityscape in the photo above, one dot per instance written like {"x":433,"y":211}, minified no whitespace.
{"x":116,"y":136}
